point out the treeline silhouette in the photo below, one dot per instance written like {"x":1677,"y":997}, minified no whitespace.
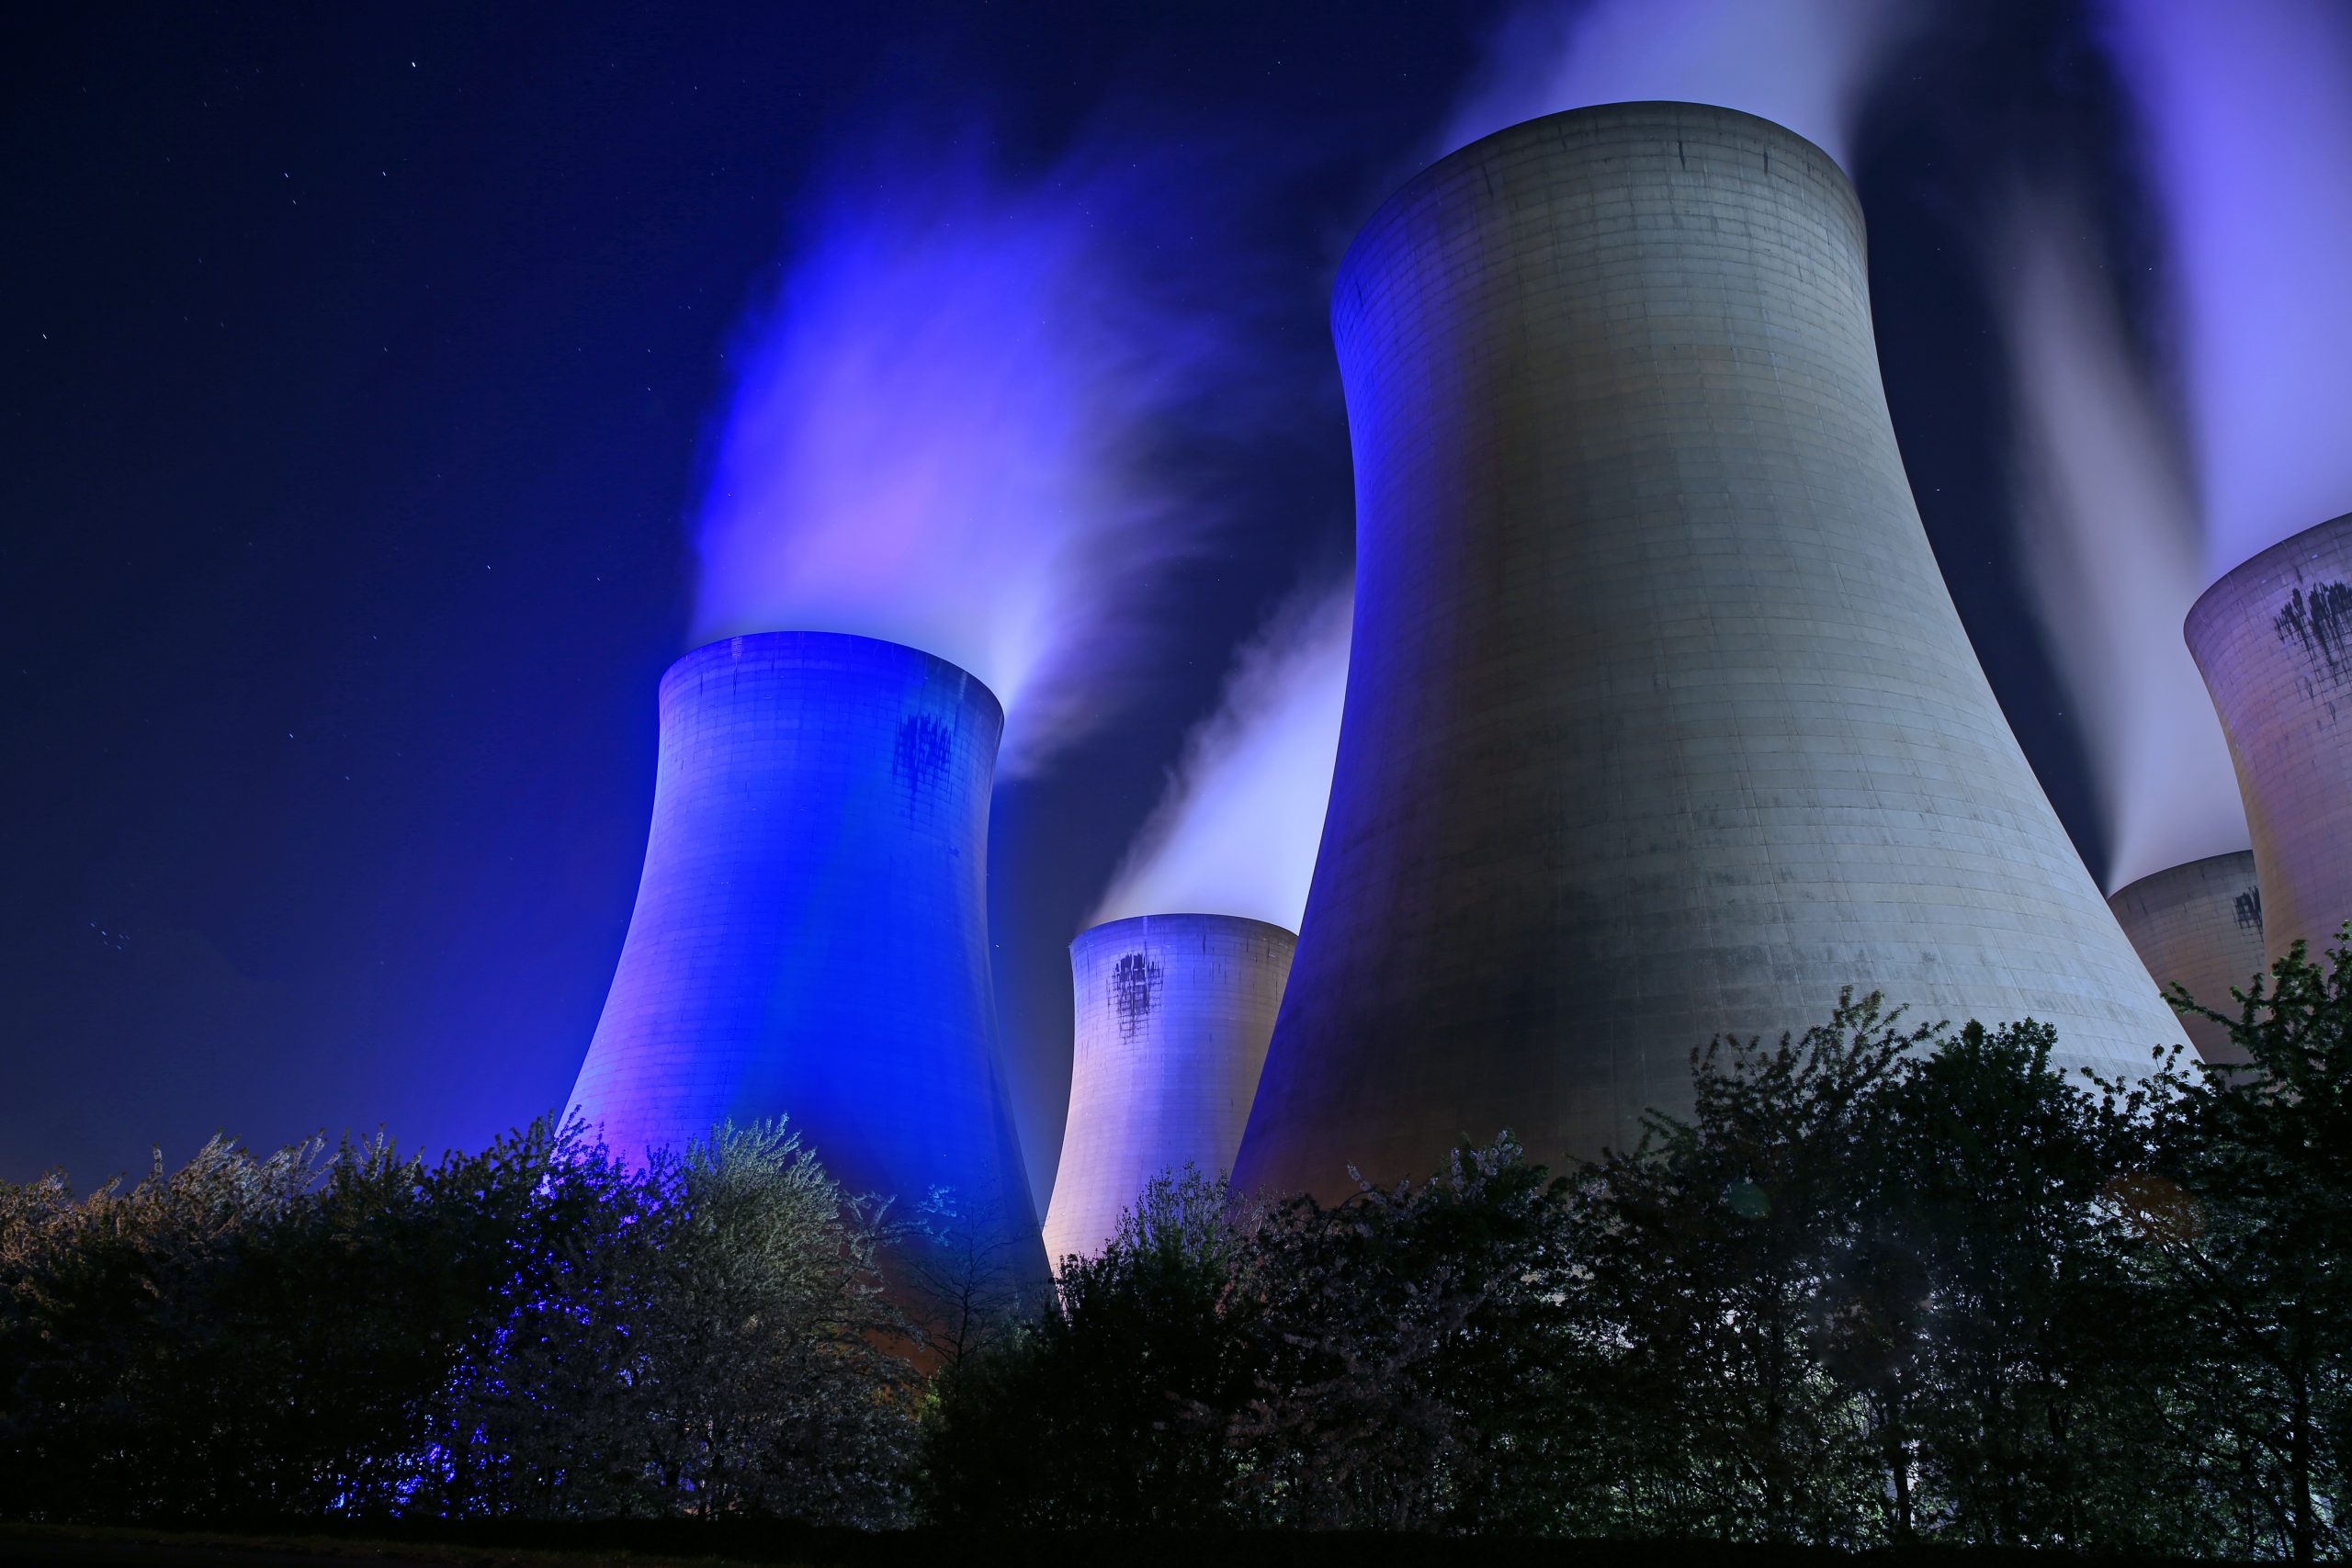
{"x":1886,"y":1284}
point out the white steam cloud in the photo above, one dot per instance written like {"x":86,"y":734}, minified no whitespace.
{"x":1800,"y":63}
{"x":950,"y":428}
{"x":2114,"y":556}
{"x":1236,"y":831}
{"x":2245,"y":109}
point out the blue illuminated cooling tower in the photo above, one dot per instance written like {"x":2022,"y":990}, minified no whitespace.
{"x":810,"y":937}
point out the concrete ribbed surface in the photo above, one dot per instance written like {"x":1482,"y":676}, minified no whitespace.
{"x":1173,"y":1012}
{"x":810,"y":934}
{"x":1660,"y":720}
{"x":2274,"y":642}
{"x":2198,"y":925}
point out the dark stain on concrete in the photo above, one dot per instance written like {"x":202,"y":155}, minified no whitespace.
{"x":926,"y":748}
{"x":1134,"y":986}
{"x":2320,"y":618}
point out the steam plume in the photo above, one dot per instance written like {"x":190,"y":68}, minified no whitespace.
{"x":1803,"y":63}
{"x":2114,"y":556}
{"x":1236,"y":830}
{"x":950,"y":428}
{"x":2246,"y":115}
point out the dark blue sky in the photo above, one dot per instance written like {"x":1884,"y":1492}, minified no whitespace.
{"x":359,"y":365}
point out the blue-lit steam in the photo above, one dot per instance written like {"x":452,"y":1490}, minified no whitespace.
{"x":2246,"y":111}
{"x":1802,"y":63}
{"x":2245,"y":114}
{"x":949,"y":428}
{"x":1236,"y":830}
{"x":2113,"y":551}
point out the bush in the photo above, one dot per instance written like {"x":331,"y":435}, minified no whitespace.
{"x":1885,"y":1284}
{"x":534,"y":1330}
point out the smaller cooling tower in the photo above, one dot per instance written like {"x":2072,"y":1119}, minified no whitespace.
{"x":1174,"y":1015}
{"x":810,"y":937}
{"x":2274,"y":641}
{"x":2198,"y":925}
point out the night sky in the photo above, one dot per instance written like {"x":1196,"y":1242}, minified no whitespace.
{"x":361,"y":363}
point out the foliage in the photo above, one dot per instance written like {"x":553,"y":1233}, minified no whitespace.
{"x":1408,"y":1353}
{"x":534,"y":1330}
{"x":1883,"y":1284}
{"x":1105,"y":1413}
{"x":960,"y":1278}
{"x":2245,"y":1219}
{"x":1720,"y":1258}
{"x":2005,"y":1408}
{"x":1886,"y":1283}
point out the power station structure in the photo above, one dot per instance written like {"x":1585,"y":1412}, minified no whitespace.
{"x":2273,"y":639}
{"x":810,"y":934}
{"x":1661,"y":721}
{"x":2199,"y":926}
{"x":1173,"y":1013}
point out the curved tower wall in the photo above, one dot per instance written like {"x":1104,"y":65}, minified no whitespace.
{"x":2198,"y":925}
{"x":2274,"y":642}
{"x":810,"y":935}
{"x":1660,"y":720}
{"x":1173,"y":1012}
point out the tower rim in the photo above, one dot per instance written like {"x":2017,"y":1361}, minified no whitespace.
{"x":2268,"y":558}
{"x":1103,"y":929}
{"x":725,"y":648}
{"x":2176,"y":868}
{"x":1445,"y":168}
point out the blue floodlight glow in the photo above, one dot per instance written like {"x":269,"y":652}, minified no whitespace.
{"x":810,"y":935}
{"x":2247,"y":116}
{"x":951,"y":427}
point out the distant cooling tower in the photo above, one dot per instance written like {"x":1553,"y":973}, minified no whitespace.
{"x":810,"y":936}
{"x":1661,"y":721}
{"x":2199,"y":925}
{"x":2274,"y":642}
{"x":1173,"y":1013}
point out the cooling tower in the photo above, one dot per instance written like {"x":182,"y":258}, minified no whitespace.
{"x":1661,"y":721}
{"x":2198,"y":925}
{"x":2274,"y":642}
{"x":1173,"y":1012}
{"x":810,"y":936}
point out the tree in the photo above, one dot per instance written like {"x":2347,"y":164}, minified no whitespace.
{"x":1109,"y":1409}
{"x":1413,"y":1359}
{"x":534,"y":1330}
{"x":706,"y":1337}
{"x":127,"y":1340}
{"x":1714,"y":1263}
{"x":764,"y":1355}
{"x":2245,"y":1214}
{"x":959,"y":1270}
{"x":1985,"y":1296}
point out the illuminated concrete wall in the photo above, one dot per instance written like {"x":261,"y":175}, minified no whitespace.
{"x":2199,"y":925}
{"x":2274,"y":642}
{"x":1173,"y":1012}
{"x":810,"y":936}
{"x":1660,"y":720}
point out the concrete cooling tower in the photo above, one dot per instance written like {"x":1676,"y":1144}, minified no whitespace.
{"x":810,"y":936}
{"x":2274,"y":642}
{"x":1661,"y":721}
{"x":2199,"y":925}
{"x":1173,"y":1013}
